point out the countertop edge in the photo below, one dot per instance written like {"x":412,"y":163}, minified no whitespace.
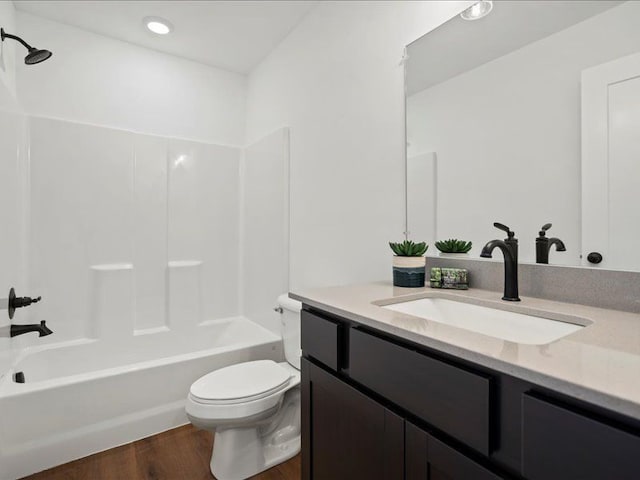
{"x":594,"y":397}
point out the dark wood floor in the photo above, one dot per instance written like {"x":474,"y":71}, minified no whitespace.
{"x":180,"y":454}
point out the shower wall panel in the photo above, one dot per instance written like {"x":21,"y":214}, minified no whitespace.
{"x":150,"y":231}
{"x":265,"y":260}
{"x":113,"y":214}
{"x":204,"y":223}
{"x":12,"y":225}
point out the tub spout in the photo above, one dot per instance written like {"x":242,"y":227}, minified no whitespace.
{"x":41,"y":328}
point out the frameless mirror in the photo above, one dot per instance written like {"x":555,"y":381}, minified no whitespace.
{"x":529,"y":116}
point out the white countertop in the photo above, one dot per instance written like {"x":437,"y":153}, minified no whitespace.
{"x":599,"y":364}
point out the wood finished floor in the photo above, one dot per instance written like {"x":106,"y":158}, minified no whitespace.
{"x":179,"y":454}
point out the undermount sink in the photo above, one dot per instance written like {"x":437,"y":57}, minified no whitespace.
{"x":506,"y":325}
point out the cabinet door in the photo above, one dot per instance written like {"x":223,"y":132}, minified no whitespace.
{"x":346,"y":435}
{"x":427,"y":458}
{"x":559,"y":444}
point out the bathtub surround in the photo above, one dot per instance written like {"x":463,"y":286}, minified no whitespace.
{"x":149,"y":221}
{"x":12,"y":214}
{"x":265,"y":227}
{"x":135,"y":245}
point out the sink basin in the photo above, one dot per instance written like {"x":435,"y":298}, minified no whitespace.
{"x":514,"y":327}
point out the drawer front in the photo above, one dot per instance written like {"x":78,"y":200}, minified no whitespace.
{"x":320,"y":339}
{"x":451,"y":399}
{"x":559,"y":444}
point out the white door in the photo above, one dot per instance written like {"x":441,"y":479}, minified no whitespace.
{"x":611,"y":163}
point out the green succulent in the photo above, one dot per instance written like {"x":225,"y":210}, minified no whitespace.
{"x":409,"y":248}
{"x":453,"y":245}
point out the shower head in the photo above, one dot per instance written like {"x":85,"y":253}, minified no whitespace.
{"x":34,"y":56}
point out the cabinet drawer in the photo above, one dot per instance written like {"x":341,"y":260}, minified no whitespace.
{"x":451,"y":399}
{"x":559,"y":443}
{"x":320,"y":339}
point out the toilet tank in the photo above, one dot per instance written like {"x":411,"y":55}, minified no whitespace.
{"x":290,"y":316}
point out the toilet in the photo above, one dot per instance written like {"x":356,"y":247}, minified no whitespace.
{"x":253,"y":407}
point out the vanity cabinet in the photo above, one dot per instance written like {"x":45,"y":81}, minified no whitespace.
{"x":347,"y":434}
{"x":560,"y":443}
{"x":448,"y":397}
{"x":427,"y":458}
{"x":378,"y":406}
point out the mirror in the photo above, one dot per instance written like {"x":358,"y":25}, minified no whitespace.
{"x":529,"y":116}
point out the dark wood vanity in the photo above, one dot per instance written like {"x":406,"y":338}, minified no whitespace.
{"x":376,"y":406}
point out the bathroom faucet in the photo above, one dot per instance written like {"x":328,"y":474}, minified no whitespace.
{"x":41,"y":328}
{"x":543,"y":245}
{"x":509,"y":247}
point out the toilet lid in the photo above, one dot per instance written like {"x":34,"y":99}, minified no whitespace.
{"x":241,"y":382}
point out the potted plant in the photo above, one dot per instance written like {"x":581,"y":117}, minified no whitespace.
{"x":408,"y":263}
{"x":453,"y":247}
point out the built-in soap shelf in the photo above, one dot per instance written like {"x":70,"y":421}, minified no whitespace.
{"x":112,"y":304}
{"x":184,"y":293}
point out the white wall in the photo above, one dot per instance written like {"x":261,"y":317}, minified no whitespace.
{"x":336,"y":80}
{"x":98,"y":80}
{"x":507,"y":136}
{"x":8,"y":56}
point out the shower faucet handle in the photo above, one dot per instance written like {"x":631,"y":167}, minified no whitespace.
{"x":19,"y":302}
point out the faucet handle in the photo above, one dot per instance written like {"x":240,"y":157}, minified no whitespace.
{"x":16,"y":302}
{"x":544,"y":229}
{"x":504,"y":228}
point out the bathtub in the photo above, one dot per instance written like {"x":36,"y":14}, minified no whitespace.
{"x":86,"y":396}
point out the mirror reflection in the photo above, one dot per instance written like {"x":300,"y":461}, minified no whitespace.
{"x":529,"y":117}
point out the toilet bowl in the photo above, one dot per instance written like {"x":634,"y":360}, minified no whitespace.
{"x":253,"y":407}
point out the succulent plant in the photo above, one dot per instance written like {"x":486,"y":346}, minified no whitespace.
{"x":453,"y":245}
{"x":409,"y":249}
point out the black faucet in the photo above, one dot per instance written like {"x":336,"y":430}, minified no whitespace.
{"x":509,"y":247}
{"x":543,"y":245}
{"x":41,"y":328}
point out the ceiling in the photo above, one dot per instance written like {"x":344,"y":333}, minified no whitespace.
{"x":460,"y":45}
{"x":232,"y":35}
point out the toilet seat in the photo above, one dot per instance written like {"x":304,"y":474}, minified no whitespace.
{"x":264,"y":383}
{"x":243,"y":382}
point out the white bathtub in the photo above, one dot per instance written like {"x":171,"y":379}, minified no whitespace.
{"x":87,"y":396}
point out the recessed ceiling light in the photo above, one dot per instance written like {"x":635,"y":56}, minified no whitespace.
{"x":477,"y":10}
{"x":158,"y":25}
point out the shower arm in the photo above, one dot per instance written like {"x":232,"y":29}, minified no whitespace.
{"x":4,"y":35}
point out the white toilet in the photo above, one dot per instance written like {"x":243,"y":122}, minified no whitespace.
{"x":253,"y":407}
